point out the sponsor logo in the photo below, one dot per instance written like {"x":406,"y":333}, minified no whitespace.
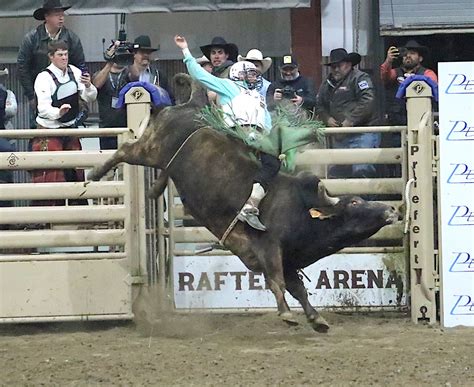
{"x":462,"y":263}
{"x":460,"y":84}
{"x":460,"y":131}
{"x":363,"y":85}
{"x":464,"y":306}
{"x":462,"y":216}
{"x":461,"y":174}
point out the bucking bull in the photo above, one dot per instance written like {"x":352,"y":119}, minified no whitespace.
{"x":213,"y":173}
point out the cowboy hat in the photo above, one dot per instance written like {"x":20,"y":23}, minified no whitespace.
{"x":143,"y":42}
{"x":255,"y":55}
{"x":49,"y":5}
{"x":415,"y":46}
{"x":218,"y":41}
{"x":202,"y":60}
{"x":340,"y":55}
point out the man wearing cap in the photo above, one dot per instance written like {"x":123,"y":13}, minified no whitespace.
{"x":33,"y":53}
{"x":291,"y":86}
{"x":262,"y":64}
{"x":143,"y":68}
{"x":221,"y":54}
{"x":347,"y":98}
{"x":412,"y":55}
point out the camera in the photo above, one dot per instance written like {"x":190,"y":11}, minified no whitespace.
{"x":122,"y":55}
{"x":288,"y":92}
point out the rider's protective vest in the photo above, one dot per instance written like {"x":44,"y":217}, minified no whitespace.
{"x":247,"y":108}
{"x":66,"y":92}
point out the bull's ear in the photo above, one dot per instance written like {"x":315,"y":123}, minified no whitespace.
{"x":321,"y":213}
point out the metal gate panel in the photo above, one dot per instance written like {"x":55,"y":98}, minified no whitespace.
{"x":41,"y":290}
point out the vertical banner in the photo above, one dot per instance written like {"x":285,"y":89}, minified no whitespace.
{"x":456,"y":91}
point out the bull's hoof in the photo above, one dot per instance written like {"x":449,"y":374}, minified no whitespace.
{"x":288,"y":318}
{"x":319,"y":324}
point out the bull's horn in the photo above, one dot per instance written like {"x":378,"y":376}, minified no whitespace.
{"x":143,"y":125}
{"x":323,"y":194}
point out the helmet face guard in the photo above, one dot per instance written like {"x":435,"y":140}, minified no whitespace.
{"x":247,"y":72}
{"x":239,"y":70}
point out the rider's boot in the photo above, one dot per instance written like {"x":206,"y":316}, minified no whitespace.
{"x":249,"y":212}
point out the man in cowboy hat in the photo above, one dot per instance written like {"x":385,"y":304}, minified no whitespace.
{"x":222,"y":56}
{"x":412,"y":55}
{"x":262,"y":64}
{"x":347,"y":98}
{"x":33,"y":53}
{"x":291,"y":86}
{"x":144,"y":69}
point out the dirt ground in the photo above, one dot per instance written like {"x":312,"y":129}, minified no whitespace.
{"x":237,"y":349}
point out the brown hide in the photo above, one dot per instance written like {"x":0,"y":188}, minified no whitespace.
{"x":214,"y":174}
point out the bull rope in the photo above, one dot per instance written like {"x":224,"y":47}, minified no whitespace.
{"x":229,"y":230}
{"x":235,"y":220}
{"x":181,"y":147}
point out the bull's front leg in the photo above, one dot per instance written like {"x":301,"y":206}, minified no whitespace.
{"x":129,"y":152}
{"x":295,"y":286}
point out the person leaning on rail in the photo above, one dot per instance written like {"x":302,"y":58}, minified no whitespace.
{"x":347,"y":98}
{"x":58,"y":89}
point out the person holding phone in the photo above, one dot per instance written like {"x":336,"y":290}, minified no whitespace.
{"x":58,"y":89}
{"x":411,"y":55}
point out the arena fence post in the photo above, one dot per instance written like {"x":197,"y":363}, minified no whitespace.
{"x":423,"y":275}
{"x":138,"y":103}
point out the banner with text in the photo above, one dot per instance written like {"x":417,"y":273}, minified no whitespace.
{"x":456,"y":136}
{"x":342,"y":280}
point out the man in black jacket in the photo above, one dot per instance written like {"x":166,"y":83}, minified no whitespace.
{"x":347,"y":98}
{"x":33,"y":53}
{"x":291,"y":86}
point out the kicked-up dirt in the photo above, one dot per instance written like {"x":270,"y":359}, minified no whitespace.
{"x":238,"y":350}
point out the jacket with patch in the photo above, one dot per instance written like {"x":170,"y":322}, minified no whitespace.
{"x":352,"y":98}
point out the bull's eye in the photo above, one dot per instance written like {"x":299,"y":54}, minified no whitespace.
{"x":354,"y":202}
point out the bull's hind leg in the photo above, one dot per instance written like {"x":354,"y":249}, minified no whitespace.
{"x":129,"y":152}
{"x":295,"y":286}
{"x":275,"y":279}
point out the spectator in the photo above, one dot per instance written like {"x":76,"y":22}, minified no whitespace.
{"x":262,"y":64}
{"x":108,"y":82}
{"x":222,"y":56}
{"x":291,"y":86}
{"x":8,"y":103}
{"x":347,"y":98}
{"x":58,"y":90}
{"x":412,"y":55}
{"x":33,"y":53}
{"x":8,"y":109}
{"x":144,"y":69}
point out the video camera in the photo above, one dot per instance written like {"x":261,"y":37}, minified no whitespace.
{"x":122,"y":54}
{"x":288,"y":92}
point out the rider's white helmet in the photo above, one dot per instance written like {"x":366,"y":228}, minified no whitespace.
{"x":238,"y":71}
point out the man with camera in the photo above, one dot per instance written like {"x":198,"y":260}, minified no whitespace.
{"x":411,"y":56}
{"x":109,"y":81}
{"x":291,"y":87}
{"x":58,"y":89}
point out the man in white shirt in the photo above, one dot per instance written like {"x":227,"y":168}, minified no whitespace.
{"x":58,"y":89}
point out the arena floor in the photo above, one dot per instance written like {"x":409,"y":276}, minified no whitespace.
{"x":242,"y":350}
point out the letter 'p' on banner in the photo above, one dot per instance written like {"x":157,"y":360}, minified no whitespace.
{"x":456,"y":199}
